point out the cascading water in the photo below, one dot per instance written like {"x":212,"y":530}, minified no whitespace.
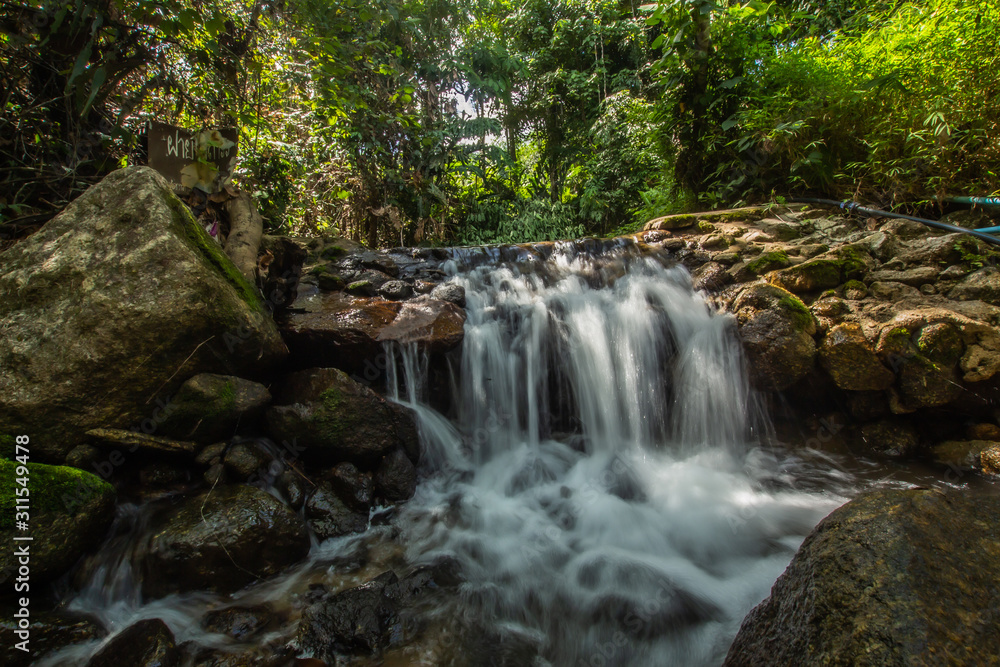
{"x":599,"y":486}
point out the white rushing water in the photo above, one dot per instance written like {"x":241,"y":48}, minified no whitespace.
{"x":599,"y":484}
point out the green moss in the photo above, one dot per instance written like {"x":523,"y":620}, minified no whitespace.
{"x":333,"y":252}
{"x":738,"y":215}
{"x":852,"y":263}
{"x":7,"y":446}
{"x":318,"y":270}
{"x":769,"y":261}
{"x":827,"y":293}
{"x":211,"y":251}
{"x":800,"y":314}
{"x":329,"y":417}
{"x":53,"y":490}
{"x":227,"y":398}
{"x":705,"y":227}
{"x":855,"y":284}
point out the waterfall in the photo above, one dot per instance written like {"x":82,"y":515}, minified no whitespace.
{"x":599,"y":480}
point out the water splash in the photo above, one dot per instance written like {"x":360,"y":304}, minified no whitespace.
{"x":600,"y":484}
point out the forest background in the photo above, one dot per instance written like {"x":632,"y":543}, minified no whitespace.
{"x":409,"y":122}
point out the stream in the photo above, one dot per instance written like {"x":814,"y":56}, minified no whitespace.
{"x":604,"y":479}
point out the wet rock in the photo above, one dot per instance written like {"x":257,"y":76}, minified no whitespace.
{"x":450,"y":292}
{"x":983,"y":285}
{"x":330,"y":517}
{"x":246,"y":460}
{"x":211,"y":454}
{"x":358,"y":620}
{"x":867,"y":405}
{"x":396,"y":477}
{"x":70,"y":511}
{"x":222,"y":540}
{"x":148,"y":643}
{"x":208,"y":407}
{"x":776,"y":329}
{"x":362,"y":288}
{"x":240,"y":623}
{"x":711,"y":277}
{"x":339,"y":331}
{"x":121,"y":296}
{"x":47,"y":632}
{"x":330,"y":282}
{"x":434,"y":325}
{"x":293,"y":487}
{"x":215,"y":475}
{"x":132,"y":441}
{"x":335,"y":418}
{"x":351,"y":485}
{"x":892,"y":578}
{"x":983,"y":432}
{"x":889,"y":437}
{"x":963,"y":453}
{"x":396,"y":290}
{"x":989,"y":460}
{"x":852,"y":363}
{"x":81,"y":456}
{"x":925,"y":362}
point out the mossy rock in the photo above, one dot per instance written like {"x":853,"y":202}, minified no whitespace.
{"x":208,"y":407}
{"x":768,"y":261}
{"x":776,"y":329}
{"x":810,"y":276}
{"x":334,"y":418}
{"x":69,"y":512}
{"x":111,"y":305}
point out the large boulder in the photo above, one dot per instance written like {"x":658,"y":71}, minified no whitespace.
{"x":776,"y":329}
{"x":47,"y":632}
{"x":333,"y":418}
{"x":68,"y":513}
{"x":114,"y":302}
{"x":222,"y":540}
{"x":895,"y":577}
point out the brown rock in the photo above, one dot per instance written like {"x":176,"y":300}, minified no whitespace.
{"x":846,"y":355}
{"x":776,"y":329}
{"x":432,"y":324}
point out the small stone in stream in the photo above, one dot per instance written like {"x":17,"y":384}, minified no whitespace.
{"x":48,"y":632}
{"x":240,"y":623}
{"x":330,"y":282}
{"x":83,"y":457}
{"x":450,"y":292}
{"x":890,"y":438}
{"x":711,"y":277}
{"x":361,"y":288}
{"x":351,"y":485}
{"x":396,"y":478}
{"x":247,"y":459}
{"x":293,"y":487}
{"x":330,"y":517}
{"x":424,"y":286}
{"x":148,"y":643}
{"x":215,"y":475}
{"x":396,"y":290}
{"x":357,"y":620}
{"x":963,"y":453}
{"x":207,"y":456}
{"x":983,"y":432}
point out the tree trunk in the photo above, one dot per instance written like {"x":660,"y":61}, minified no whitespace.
{"x":245,"y":229}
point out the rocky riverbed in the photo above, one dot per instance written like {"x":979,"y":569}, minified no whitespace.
{"x":193,"y":434}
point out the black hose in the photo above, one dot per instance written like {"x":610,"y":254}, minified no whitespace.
{"x":853,"y":207}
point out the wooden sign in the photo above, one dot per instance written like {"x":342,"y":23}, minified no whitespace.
{"x":195,"y":159}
